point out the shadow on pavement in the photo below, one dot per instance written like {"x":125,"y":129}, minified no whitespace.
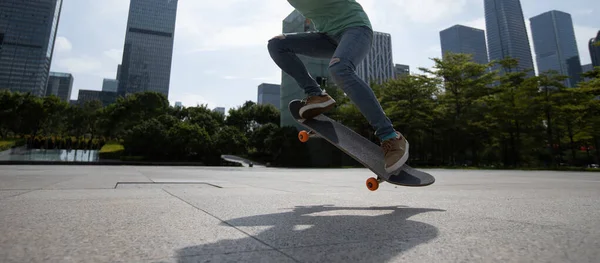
{"x":317,"y":233}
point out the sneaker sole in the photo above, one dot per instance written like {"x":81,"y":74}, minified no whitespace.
{"x":313,"y":110}
{"x":400,"y":162}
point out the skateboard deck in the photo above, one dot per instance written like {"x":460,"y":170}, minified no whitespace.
{"x":359,"y":148}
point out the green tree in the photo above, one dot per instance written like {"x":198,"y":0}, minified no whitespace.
{"x":464,"y":83}
{"x":410,"y":103}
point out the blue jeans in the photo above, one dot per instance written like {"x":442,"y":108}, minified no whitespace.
{"x":346,"y":51}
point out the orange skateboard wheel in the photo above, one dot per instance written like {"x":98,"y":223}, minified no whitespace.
{"x":303,"y":136}
{"x":372,"y":184}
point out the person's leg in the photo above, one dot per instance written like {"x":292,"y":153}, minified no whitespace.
{"x":284,"y":50}
{"x":354,"y":44}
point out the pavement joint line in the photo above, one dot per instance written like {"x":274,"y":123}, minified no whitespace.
{"x":165,"y":183}
{"x":236,"y":228}
{"x":27,"y":191}
{"x":222,"y":253}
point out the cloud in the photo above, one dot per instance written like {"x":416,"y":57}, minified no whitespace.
{"x":114,"y":54}
{"x":84,"y":64}
{"x":430,"y":11}
{"x":478,"y":23}
{"x":62,"y":44}
{"x":196,"y":20}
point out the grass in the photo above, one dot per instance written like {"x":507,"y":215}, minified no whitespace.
{"x":111,"y":151}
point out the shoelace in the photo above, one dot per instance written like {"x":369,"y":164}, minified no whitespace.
{"x":387,"y":146}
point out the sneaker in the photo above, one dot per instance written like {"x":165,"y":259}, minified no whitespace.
{"x":316,"y":105}
{"x":395,"y":152}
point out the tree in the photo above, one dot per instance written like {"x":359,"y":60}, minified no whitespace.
{"x":464,"y":83}
{"x":410,"y":103}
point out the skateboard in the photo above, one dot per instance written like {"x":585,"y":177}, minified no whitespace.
{"x":359,"y":148}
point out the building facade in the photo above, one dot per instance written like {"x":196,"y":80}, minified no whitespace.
{"x":269,"y":94}
{"x":401,"y":70}
{"x":27,"y":34}
{"x":378,"y":65}
{"x":60,"y":85}
{"x":219,"y":110}
{"x":110,"y":85}
{"x":106,"y":98}
{"x":594,"y":46}
{"x":148,"y":49}
{"x":555,"y":45}
{"x":507,"y":34}
{"x":585,"y":68}
{"x":466,"y":40}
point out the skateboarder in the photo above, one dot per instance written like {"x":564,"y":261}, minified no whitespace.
{"x":344,"y":35}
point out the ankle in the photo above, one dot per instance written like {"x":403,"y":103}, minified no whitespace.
{"x":388,"y":137}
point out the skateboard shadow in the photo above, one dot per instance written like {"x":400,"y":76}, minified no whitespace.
{"x":320,"y":234}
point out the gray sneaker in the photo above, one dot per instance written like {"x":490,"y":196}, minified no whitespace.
{"x":316,"y":105}
{"x":395,"y":152}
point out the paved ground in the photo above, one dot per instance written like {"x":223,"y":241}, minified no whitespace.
{"x":125,"y":214}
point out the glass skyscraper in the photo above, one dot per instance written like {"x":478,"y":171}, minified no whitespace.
{"x":466,"y":40}
{"x":27,"y":33}
{"x":60,"y":85}
{"x":555,"y":45}
{"x":401,"y":70}
{"x":148,"y":50}
{"x":507,"y":34}
{"x":594,"y":47}
{"x":269,"y":94}
{"x":378,"y":65}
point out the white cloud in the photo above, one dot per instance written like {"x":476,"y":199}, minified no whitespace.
{"x":478,"y":23}
{"x":83,"y":64}
{"x":115,"y":54}
{"x":196,"y":21}
{"x":430,"y":11}
{"x":62,"y":44}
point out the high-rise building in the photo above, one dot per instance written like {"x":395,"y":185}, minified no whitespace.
{"x":60,"y":85}
{"x":594,"y":46}
{"x":317,"y":68}
{"x":148,"y":50}
{"x":27,"y":34}
{"x":178,"y":104}
{"x":219,"y":110}
{"x":585,"y":68}
{"x":401,"y":70}
{"x":269,"y":94}
{"x":110,"y":85}
{"x":378,"y":65}
{"x":466,"y":40}
{"x":507,"y":34}
{"x":555,"y":45}
{"x":118,"y":71}
{"x":104,"y":97}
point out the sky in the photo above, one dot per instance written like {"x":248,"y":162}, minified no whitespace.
{"x":220,"y":55}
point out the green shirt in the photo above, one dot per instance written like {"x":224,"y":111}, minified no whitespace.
{"x":332,"y":16}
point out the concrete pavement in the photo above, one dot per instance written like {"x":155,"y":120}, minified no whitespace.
{"x":191,"y":214}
